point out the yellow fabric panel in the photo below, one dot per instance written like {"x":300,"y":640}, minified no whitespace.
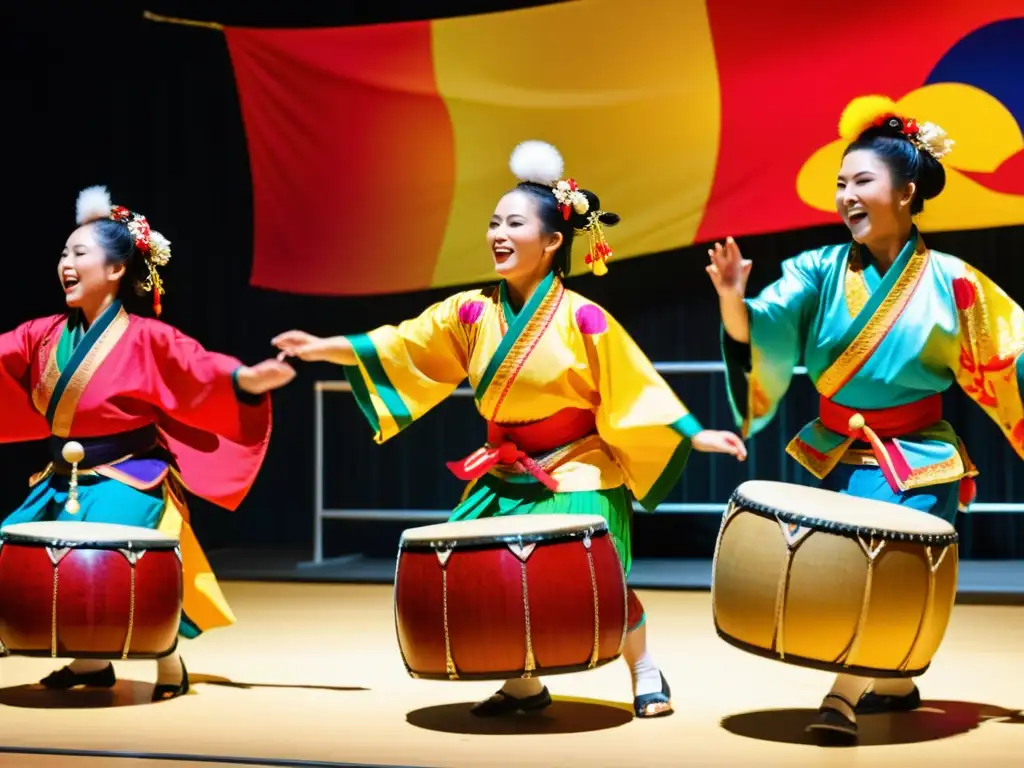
{"x":623,"y":93}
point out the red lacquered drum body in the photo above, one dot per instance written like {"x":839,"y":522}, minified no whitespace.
{"x":506,"y":597}
{"x":88,"y":590}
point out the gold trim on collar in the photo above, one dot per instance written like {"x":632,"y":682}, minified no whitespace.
{"x":856,"y":289}
{"x":64,"y":414}
{"x":871,"y":335}
{"x":514,"y":362}
{"x":51,"y":374}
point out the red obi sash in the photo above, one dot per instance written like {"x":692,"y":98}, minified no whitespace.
{"x":878,"y":428}
{"x":512,"y":444}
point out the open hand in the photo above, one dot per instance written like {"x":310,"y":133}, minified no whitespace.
{"x":713,"y":441}
{"x":265,"y":376}
{"x":728,"y":269}
{"x":304,"y":346}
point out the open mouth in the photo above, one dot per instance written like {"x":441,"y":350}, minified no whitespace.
{"x":501,"y":253}
{"x":70,"y":282}
{"x":857,"y":217}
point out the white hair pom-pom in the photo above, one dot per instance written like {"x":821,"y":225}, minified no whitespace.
{"x":93,"y":203}
{"x":537,"y":161}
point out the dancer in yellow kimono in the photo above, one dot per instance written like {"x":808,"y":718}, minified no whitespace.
{"x":577,"y":417}
{"x":884,"y":326}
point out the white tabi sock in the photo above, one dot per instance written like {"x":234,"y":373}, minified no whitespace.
{"x":646,"y":675}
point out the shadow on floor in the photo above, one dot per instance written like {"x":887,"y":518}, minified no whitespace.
{"x":127,"y":693}
{"x":935,"y":720}
{"x":565,"y":715}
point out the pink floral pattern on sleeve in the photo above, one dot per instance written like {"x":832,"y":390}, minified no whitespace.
{"x":470,"y":312}
{"x":591,"y":320}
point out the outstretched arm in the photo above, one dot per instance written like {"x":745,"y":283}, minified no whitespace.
{"x":398,"y":372}
{"x":19,"y":419}
{"x":215,"y":413}
{"x":729,"y":273}
{"x":762,"y":338}
{"x":313,"y":349}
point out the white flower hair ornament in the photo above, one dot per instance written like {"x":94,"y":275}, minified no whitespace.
{"x":538,"y":162}
{"x":933,"y":140}
{"x":94,"y":203}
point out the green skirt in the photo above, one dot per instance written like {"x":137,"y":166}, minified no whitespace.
{"x":492,"y":497}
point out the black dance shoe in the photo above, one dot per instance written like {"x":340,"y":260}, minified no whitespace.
{"x":879,"y":704}
{"x":66,"y":678}
{"x":502,"y":703}
{"x":833,"y":724}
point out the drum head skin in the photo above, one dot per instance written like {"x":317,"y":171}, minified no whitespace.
{"x":502,"y":530}
{"x":64,"y":533}
{"x":841,"y":514}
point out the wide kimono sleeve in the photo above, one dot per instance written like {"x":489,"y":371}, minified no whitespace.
{"x":758,"y":374}
{"x":404,"y":371}
{"x":989,"y":357}
{"x":218,"y":433}
{"x":20,"y":421}
{"x":639,"y":417}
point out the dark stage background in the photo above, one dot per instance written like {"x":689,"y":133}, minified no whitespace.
{"x":95,"y":94}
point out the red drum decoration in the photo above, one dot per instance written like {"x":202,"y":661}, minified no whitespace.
{"x":505,"y":597}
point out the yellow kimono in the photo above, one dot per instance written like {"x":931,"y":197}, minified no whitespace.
{"x":577,"y":415}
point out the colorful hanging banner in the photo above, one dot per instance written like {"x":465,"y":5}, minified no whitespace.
{"x":378,"y":153}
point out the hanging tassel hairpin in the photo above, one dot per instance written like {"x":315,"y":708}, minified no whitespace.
{"x":598,"y":251}
{"x":156,"y":285}
{"x":158,"y":255}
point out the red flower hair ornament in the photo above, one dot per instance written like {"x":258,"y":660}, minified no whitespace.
{"x":94,"y":204}
{"x":876,"y":112}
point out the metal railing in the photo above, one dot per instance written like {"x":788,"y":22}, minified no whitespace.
{"x":421,"y":516}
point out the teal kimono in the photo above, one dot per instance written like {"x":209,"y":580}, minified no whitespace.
{"x":880,"y":349}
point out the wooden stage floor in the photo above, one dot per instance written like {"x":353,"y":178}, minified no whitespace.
{"x":311,"y":675}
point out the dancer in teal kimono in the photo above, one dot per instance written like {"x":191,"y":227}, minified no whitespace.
{"x":884,"y":326}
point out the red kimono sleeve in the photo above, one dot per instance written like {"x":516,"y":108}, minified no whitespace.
{"x":217,"y":433}
{"x":19,"y":419}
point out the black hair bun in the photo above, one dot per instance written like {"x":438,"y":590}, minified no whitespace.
{"x":607,"y":218}
{"x":931,"y":176}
